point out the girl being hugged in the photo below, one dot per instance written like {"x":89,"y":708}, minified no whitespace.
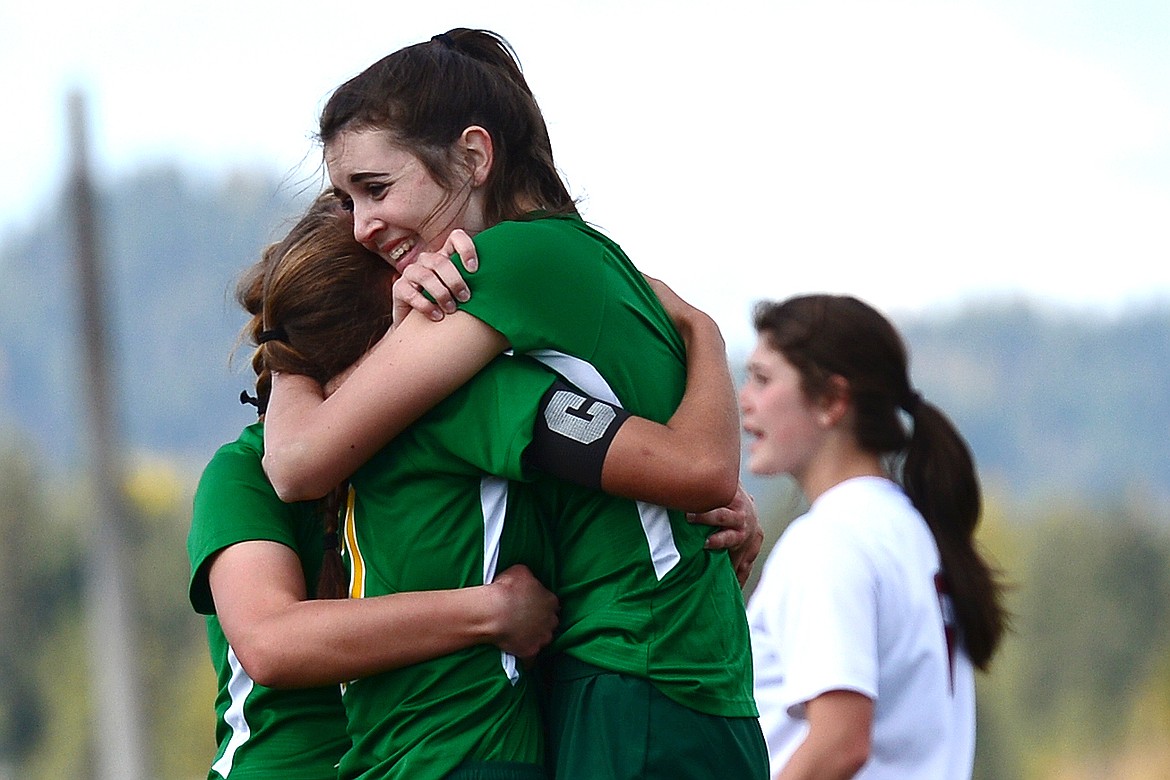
{"x":444,"y":139}
{"x":875,"y":606}
{"x":279,"y":639}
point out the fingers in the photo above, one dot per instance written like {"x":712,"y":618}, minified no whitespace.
{"x":726,"y":539}
{"x":743,"y":557}
{"x":408,"y":297}
{"x":739,"y":532}
{"x":432,"y":274}
{"x":743,"y":570}
{"x":532,"y":613}
{"x":461,"y":243}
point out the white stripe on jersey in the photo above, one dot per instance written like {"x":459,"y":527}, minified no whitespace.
{"x":664,"y":553}
{"x":239,"y":687}
{"x":493,"y":501}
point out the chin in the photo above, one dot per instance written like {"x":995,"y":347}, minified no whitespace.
{"x":761,"y":468}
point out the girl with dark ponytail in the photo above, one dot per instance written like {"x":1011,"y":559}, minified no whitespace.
{"x":431,"y":146}
{"x":875,"y":606}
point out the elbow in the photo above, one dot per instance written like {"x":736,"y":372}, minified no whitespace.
{"x":288,"y":481}
{"x":714,"y":484}
{"x":265,"y":663}
{"x":850,"y":752}
{"x":854,"y":756}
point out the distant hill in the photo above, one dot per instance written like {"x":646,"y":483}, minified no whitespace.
{"x":1054,"y":403}
{"x":173,"y":246}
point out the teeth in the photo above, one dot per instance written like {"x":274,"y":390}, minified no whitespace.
{"x":402,"y":249}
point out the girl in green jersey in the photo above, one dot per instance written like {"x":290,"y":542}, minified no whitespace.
{"x":279,"y":652}
{"x":444,"y":137}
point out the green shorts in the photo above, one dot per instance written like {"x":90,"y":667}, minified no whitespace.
{"x":608,"y":726}
{"x":498,"y":770}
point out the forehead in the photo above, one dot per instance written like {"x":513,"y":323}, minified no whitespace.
{"x":764,"y":354}
{"x":365,"y":151}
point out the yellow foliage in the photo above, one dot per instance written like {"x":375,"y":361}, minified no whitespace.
{"x":155,"y":487}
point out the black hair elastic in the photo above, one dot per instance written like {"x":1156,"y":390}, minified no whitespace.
{"x":276,"y":334}
{"x":911,"y":403}
{"x":329,"y":541}
{"x":246,"y":399}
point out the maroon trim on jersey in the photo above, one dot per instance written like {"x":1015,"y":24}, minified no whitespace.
{"x":950,"y":623}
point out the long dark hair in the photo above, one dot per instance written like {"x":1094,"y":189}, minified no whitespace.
{"x":824,"y":336}
{"x":427,"y":94}
{"x":319,"y":300}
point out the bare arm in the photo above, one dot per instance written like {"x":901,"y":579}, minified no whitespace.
{"x":838,"y":741}
{"x":692,"y":462}
{"x":284,"y":640}
{"x":311,"y":442}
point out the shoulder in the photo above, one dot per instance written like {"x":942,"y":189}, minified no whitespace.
{"x":248,"y":445}
{"x":234,"y":502}
{"x":234,"y":460}
{"x":233,"y":491}
{"x":861,"y":506}
{"x":564,"y":238}
{"x":840,"y":528}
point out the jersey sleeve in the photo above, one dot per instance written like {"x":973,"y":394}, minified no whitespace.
{"x":234,"y":502}
{"x":825,"y":616}
{"x":538,"y":286}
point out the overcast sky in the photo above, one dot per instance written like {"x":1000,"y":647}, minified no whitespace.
{"x":914,"y":153}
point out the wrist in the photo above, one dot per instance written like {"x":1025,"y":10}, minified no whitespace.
{"x":492,"y":609}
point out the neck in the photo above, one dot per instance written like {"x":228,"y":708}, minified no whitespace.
{"x":839,"y":460}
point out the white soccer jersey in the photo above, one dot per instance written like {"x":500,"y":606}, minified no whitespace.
{"x":848,"y":601}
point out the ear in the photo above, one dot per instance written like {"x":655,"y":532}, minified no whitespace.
{"x":475,"y":144}
{"x":835,"y":402}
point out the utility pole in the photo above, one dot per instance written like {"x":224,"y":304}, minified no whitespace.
{"x":117,"y":723}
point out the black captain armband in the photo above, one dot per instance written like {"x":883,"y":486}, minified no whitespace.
{"x":572,"y":435}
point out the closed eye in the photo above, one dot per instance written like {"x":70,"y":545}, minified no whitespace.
{"x":343,"y":199}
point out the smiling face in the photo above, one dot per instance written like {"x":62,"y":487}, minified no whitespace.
{"x":399,"y":209}
{"x":787,"y":429}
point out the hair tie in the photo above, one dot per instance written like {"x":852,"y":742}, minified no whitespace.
{"x":246,"y":399}
{"x":911,"y":403}
{"x":329,"y":541}
{"x":276,"y":334}
{"x":446,"y":40}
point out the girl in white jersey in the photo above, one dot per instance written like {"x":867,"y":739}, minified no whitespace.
{"x":874,"y":607}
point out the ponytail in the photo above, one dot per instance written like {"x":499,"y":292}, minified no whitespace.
{"x":938,"y":475}
{"x":332,"y":583}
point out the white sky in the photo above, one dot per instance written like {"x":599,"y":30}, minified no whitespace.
{"x":913,"y":153}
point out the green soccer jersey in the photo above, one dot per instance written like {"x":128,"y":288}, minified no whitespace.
{"x":435,"y":509}
{"x":261,"y":732}
{"x":639,"y":594}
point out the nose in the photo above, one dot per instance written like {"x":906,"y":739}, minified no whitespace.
{"x":743,"y":398}
{"x":366,"y":227}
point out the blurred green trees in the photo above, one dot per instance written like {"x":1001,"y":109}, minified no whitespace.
{"x":45,"y":702}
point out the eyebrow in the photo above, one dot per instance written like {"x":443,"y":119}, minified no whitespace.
{"x":361,"y":176}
